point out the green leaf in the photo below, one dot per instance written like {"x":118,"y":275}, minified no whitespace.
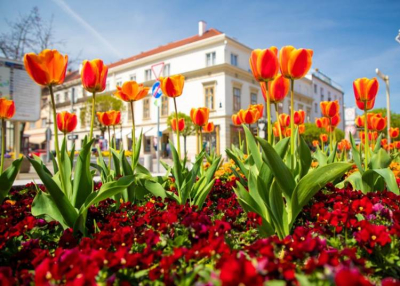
{"x":128,"y":195}
{"x":320,"y":157}
{"x":388,"y":177}
{"x":54,"y":161}
{"x":305,"y":157}
{"x":281,"y":172}
{"x":72,"y":155}
{"x":253,"y":148}
{"x":137,"y":150}
{"x":378,"y":144}
{"x":332,"y":155}
{"x":202,"y":194}
{"x":356,"y":181}
{"x":43,"y":204}
{"x":379,"y":160}
{"x":278,"y":210}
{"x":311,"y":183}
{"x":83,"y":180}
{"x":60,"y":200}
{"x":155,"y":188}
{"x":67,"y":169}
{"x":116,"y":162}
{"x":356,"y":154}
{"x":7,"y":178}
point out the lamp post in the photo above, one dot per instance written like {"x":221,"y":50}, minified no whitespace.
{"x":385,"y":78}
{"x":261,"y":125}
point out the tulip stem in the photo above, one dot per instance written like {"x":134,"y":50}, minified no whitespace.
{"x":277,"y":119}
{"x":177,"y":130}
{"x":3,"y":143}
{"x":240,"y":139}
{"x":92,"y":119}
{"x":133,"y":137}
{"x":114,"y":139}
{"x":292,"y":135}
{"x":366,"y":146}
{"x":268,"y":113}
{"x":201,"y":139}
{"x":60,"y":165}
{"x":109,"y":148}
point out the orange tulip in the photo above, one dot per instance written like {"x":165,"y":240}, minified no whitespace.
{"x":131,"y":91}
{"x":66,"y":122}
{"x":284,"y":120}
{"x":200,"y":115}
{"x":181,"y":124}
{"x":322,"y":122}
{"x":277,"y":89}
{"x":249,"y":116}
{"x":275,"y":130}
{"x":288,"y":132}
{"x":302,"y":128}
{"x":259,"y":107}
{"x":365,"y":89}
{"x":334,"y":122}
{"x":209,"y":127}
{"x":94,"y":75}
{"x":329,"y":108}
{"x":323,"y":137}
{"x":344,"y":145}
{"x":378,"y":123}
{"x":365,"y":105}
{"x":172,"y":86}
{"x":394,"y":132}
{"x":295,"y":63}
{"x":299,"y":117}
{"x":47,"y":68}
{"x":396,"y":144}
{"x":109,"y":118}
{"x":7,"y":108}
{"x":236,"y":120}
{"x":264,"y":64}
{"x":315,"y":143}
{"x":360,"y":121}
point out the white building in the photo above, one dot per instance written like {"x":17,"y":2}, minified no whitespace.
{"x":217,"y":75}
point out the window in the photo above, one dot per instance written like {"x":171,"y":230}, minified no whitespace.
{"x":234,"y":60}
{"x":164,"y":106}
{"x":66,"y":97}
{"x":316,"y":107}
{"x":147,"y":75}
{"x":118,"y":82}
{"x":57,"y":98}
{"x":236,"y":99}
{"x":300,"y":106}
{"x":253,"y":98}
{"x":166,"y":70}
{"x":308,"y":113}
{"x":210,"y":59}
{"x":132,"y":77}
{"x":322,"y":94}
{"x":44,"y":101}
{"x":315,"y":88}
{"x":209,"y":97}
{"x":146,"y":108}
{"x":329,"y":96}
{"x":44,"y":122}
{"x":147,"y":144}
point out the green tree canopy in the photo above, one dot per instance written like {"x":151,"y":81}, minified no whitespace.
{"x":313,"y":132}
{"x":104,"y":102}
{"x":189,"y":126}
{"x":394,"y":117}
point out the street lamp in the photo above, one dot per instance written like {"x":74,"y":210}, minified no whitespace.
{"x":261,"y":125}
{"x":398,"y":37}
{"x":385,"y":78}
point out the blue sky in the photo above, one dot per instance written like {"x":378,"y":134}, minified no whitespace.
{"x":350,"y":39}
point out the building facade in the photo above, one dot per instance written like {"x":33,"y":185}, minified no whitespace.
{"x":217,"y":76}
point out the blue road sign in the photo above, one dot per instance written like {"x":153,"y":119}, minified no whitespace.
{"x":156,"y":90}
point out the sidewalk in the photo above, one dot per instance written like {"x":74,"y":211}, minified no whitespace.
{"x":26,"y":178}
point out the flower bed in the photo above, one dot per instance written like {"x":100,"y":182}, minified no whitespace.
{"x":341,"y":236}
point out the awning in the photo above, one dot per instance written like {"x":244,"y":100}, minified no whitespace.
{"x":38,"y":139}
{"x":149,"y":132}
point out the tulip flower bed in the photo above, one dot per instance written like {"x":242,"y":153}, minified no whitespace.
{"x":342,"y":237}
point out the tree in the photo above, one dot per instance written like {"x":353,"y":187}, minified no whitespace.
{"x":189,"y":129}
{"x":394,"y":118}
{"x":104,"y":102}
{"x":313,"y":132}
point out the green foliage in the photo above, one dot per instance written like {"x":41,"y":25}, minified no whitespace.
{"x":313,"y":132}
{"x":276,"y":192}
{"x":394,"y":118}
{"x":7,"y":178}
{"x":104,"y":102}
{"x":68,"y":202}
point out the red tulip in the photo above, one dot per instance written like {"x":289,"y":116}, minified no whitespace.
{"x":295,"y":63}
{"x":66,"y":122}
{"x":264,"y":64}
{"x":181,"y":124}
{"x":94,"y":75}
{"x":7,"y":108}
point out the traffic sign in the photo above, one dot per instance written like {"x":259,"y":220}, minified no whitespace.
{"x":156,"y":90}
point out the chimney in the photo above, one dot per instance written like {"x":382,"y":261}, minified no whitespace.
{"x":202,"y":28}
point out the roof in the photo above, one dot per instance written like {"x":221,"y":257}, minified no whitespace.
{"x":208,"y":34}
